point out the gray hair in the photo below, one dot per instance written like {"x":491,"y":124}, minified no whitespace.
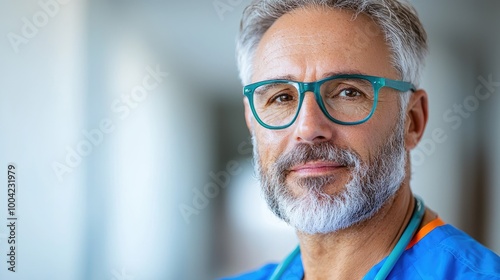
{"x":398,"y":21}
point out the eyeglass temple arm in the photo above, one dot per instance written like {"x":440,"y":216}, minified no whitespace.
{"x":400,"y":85}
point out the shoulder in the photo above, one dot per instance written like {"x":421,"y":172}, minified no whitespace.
{"x":260,"y":274}
{"x":449,"y":252}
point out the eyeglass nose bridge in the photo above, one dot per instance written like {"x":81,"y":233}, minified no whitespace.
{"x":305,"y":87}
{"x":312,"y":87}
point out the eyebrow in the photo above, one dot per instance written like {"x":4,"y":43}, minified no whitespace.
{"x":328,"y":74}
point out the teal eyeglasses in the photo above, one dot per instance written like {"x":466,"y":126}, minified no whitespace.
{"x":346,"y":99}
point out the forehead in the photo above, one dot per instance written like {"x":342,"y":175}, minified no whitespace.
{"x":309,"y":42}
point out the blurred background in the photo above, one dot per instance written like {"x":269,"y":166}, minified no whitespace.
{"x":125,"y":122}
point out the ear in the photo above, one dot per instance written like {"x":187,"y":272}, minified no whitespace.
{"x":417,"y":114}
{"x":248,"y":114}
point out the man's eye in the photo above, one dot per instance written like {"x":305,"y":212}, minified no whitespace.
{"x":350,"y":93}
{"x":282,"y":98}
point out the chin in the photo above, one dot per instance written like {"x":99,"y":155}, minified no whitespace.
{"x":330,"y":185}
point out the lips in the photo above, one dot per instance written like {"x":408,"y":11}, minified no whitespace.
{"x":316,"y":167}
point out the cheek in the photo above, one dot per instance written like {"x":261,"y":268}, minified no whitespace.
{"x":367,"y":138}
{"x":361,"y":140}
{"x":270,"y":144}
{"x":387,"y":111}
{"x":379,"y":128}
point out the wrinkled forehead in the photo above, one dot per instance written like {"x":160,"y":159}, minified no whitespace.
{"x":310,"y":41}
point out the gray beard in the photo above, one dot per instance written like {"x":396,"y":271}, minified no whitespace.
{"x":370,"y":186}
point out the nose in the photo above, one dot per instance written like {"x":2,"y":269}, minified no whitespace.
{"x":311,"y":125}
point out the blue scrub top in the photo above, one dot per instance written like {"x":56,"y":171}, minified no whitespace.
{"x":439,"y":252}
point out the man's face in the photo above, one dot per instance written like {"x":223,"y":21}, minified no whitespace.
{"x":315,"y":165}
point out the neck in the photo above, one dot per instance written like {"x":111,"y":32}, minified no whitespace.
{"x":352,"y":252}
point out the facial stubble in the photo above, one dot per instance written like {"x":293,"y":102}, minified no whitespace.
{"x":370,"y":185}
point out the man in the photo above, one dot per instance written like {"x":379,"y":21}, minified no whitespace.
{"x":333,"y":108}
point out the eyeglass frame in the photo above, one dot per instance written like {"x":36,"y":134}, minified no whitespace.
{"x":303,"y":87}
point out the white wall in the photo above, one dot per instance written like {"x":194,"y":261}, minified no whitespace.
{"x":41,"y":114}
{"x":436,"y":163}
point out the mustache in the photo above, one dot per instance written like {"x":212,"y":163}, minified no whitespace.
{"x":324,"y":151}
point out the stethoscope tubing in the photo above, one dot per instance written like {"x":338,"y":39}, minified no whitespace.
{"x":392,"y":259}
